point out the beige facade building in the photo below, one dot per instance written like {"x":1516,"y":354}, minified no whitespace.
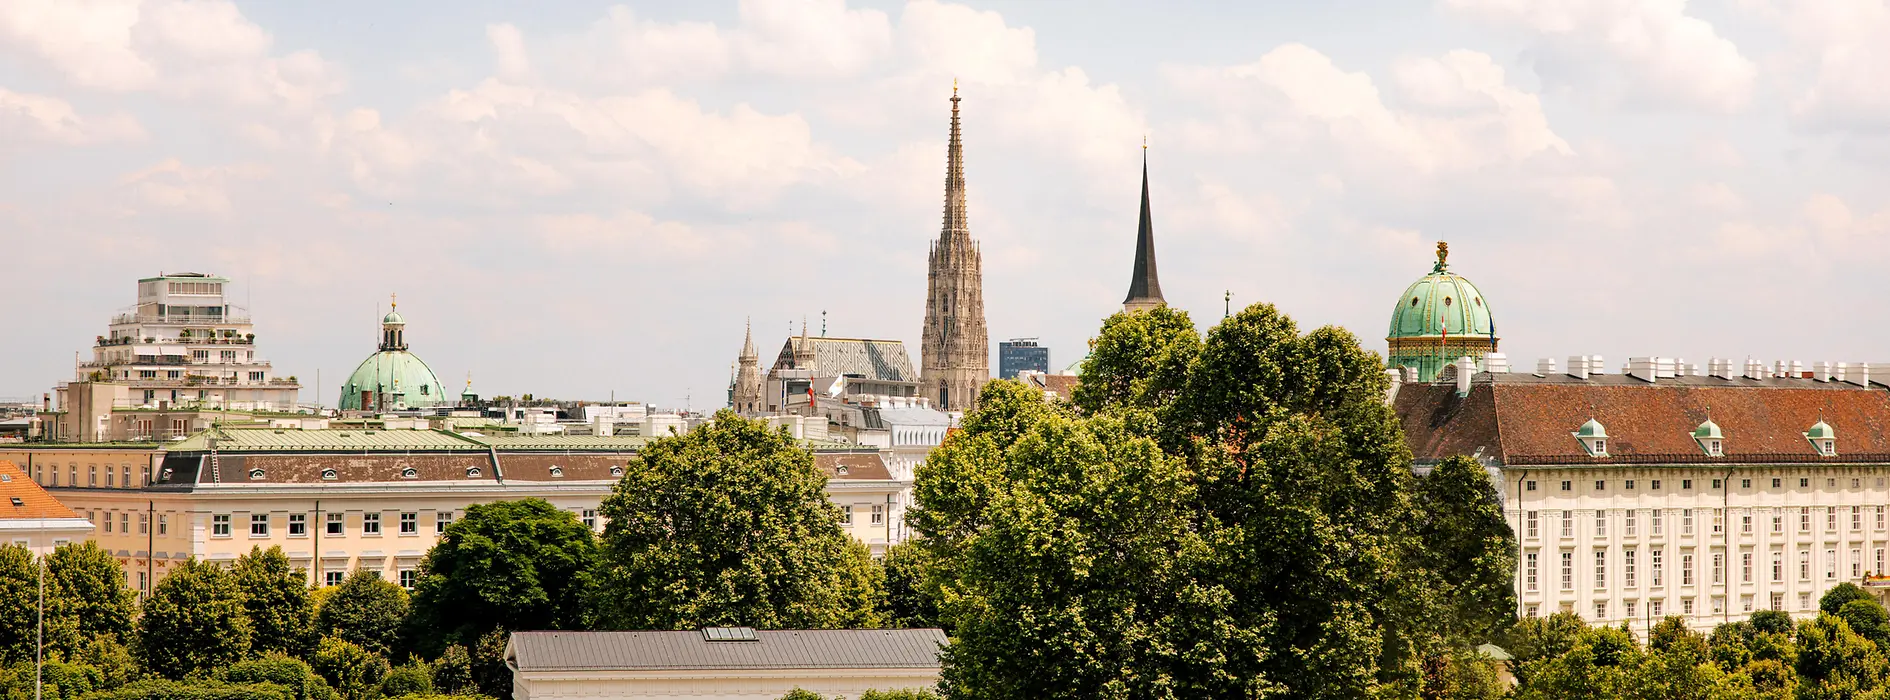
{"x":341,"y":499}
{"x":1665,"y":490}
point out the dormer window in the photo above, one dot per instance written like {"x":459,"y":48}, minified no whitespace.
{"x":557,"y":472}
{"x":410,"y":473}
{"x":1593,"y":437}
{"x":1710,"y":439}
{"x":472,"y":472}
{"x":255,"y":475}
{"x":616,"y":470}
{"x":1823,"y":438}
{"x":329,"y":475}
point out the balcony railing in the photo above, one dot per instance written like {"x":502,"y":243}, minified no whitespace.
{"x":178,"y":319}
{"x":104,"y":342}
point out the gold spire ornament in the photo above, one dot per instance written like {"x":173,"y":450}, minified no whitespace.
{"x":1443,"y":253}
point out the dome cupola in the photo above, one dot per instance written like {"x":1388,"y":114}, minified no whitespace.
{"x":1710,"y":439}
{"x":393,"y":379}
{"x":1823,"y":437}
{"x":1594,"y":438}
{"x":1439,"y":318}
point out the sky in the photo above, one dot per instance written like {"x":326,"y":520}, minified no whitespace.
{"x":590,"y":199}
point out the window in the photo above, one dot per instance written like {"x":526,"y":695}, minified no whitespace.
{"x":1719,"y":521}
{"x":1879,"y":567}
{"x":406,"y":578}
{"x":259,"y":525}
{"x":1778,"y":601}
{"x":1654,"y":484}
{"x":1529,"y":571}
{"x":1775,"y":483}
{"x":1686,"y":569}
{"x":370,"y":523}
{"x":441,"y":520}
{"x":1533,"y":611}
{"x":1830,"y":483}
{"x":1745,"y":567}
{"x":1529,"y":485}
{"x":1857,"y":563}
{"x":1628,"y":485}
{"x":1804,"y":565}
{"x":144,"y":523}
{"x":1778,"y":566}
{"x":1686,"y":484}
{"x":1804,"y":601}
{"x":1778,"y":522}
{"x":410,"y":523}
{"x":220,"y":525}
{"x":1745,"y":524}
{"x":1857,"y":518}
{"x":108,"y":522}
{"x":1601,"y":610}
{"x":332,"y":578}
{"x":1653,"y":565}
{"x":846,"y":515}
{"x":1716,"y":484}
{"x":1530,"y":520}
{"x":1804,"y":519}
{"x":298,"y":524}
{"x":1601,"y":523}
{"x":1719,"y":568}
{"x":590,"y":519}
{"x":1568,"y":523}
{"x":1653,"y":521}
{"x":1630,"y":605}
{"x":1628,"y":520}
{"x":879,"y":514}
{"x":127,"y":476}
{"x":1830,"y":563}
{"x":1830,"y":518}
{"x":1568,"y":486}
{"x":255,"y":376}
{"x":1653,"y":608}
{"x":335,"y":523}
{"x":1746,"y":602}
{"x":1601,"y":568}
{"x":1804,"y":483}
{"x":1880,"y":517}
{"x":110,"y":480}
{"x":1627,"y":566}
{"x":1686,"y":521}
{"x":1601,"y":485}
{"x":91,"y":475}
{"x":1713,"y":448}
{"x":1568,"y":571}
{"x":1745,"y":483}
{"x":164,"y":524}
{"x":1686,"y":606}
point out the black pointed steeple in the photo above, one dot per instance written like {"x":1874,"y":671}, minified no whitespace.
{"x":1145,"y":288}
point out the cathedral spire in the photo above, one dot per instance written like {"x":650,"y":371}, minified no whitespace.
{"x":956,"y":231}
{"x":1145,"y":288}
{"x":955,"y":356}
{"x":748,"y":342}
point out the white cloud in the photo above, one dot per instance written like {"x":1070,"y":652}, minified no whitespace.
{"x":26,"y":118}
{"x":173,"y":187}
{"x":1646,"y":52}
{"x":1845,"y":45}
{"x":179,"y":48}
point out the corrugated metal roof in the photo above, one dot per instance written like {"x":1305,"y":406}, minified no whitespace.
{"x":349,"y":439}
{"x":773,"y":649}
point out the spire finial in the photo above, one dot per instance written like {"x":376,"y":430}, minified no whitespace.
{"x":1227,"y":303}
{"x":954,"y":86}
{"x":1443,"y":254}
{"x":393,"y":301}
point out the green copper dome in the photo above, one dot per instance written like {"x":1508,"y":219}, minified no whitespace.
{"x":393,"y":318}
{"x":1821,"y":430}
{"x":1592,"y":429}
{"x":1439,"y":318}
{"x":1708,"y":431}
{"x":392,"y":380}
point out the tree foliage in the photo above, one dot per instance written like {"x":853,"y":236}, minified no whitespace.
{"x":1139,"y":360}
{"x":93,"y":585}
{"x":1469,"y":546}
{"x":351,"y":670}
{"x":194,"y":622}
{"x":283,"y":670}
{"x":911,"y":600}
{"x":453,"y":672}
{"x":729,"y":525}
{"x":409,"y":679}
{"x":275,"y":596}
{"x":367,"y":611}
{"x":512,"y":564}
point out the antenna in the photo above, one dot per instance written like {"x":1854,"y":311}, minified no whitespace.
{"x":823,"y":323}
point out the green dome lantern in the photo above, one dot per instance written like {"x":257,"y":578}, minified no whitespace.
{"x":393,"y":379}
{"x":1438,"y":319}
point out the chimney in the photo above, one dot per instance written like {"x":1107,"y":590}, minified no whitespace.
{"x":1578,"y":366}
{"x":1545,"y":366}
{"x":1755,"y":369}
{"x":1495,"y":363}
{"x":1465,"y":368}
{"x":1821,"y":371}
{"x":1797,"y":369}
{"x":1667,"y":367}
{"x":1859,"y":375}
{"x":1642,"y":368}
{"x":1596,"y":365}
{"x":1394,"y":378}
{"x":1840,"y":371}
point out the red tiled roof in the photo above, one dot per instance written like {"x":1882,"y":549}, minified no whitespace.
{"x":859,"y":465}
{"x":1529,"y":420}
{"x":35,"y":503}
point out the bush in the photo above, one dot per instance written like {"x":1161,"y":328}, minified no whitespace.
{"x":411,"y":679}
{"x":800,"y":694}
{"x":352,"y":671}
{"x":452,"y":672}
{"x":902,"y":694}
{"x":282,"y":670}
{"x":201,"y":690}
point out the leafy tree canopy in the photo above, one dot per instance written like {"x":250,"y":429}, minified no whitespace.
{"x":94,"y":584}
{"x":1140,"y":360}
{"x":512,"y":564}
{"x":366,"y":611}
{"x":276,"y":599}
{"x":194,"y":622}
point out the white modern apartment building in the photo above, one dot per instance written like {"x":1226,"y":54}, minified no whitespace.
{"x":184,"y":343}
{"x":1665,"y":490}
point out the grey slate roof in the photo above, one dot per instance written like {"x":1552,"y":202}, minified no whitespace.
{"x":774,"y":649}
{"x":884,"y":360}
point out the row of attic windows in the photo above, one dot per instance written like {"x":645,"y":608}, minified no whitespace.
{"x":410,"y":473}
{"x":1711,"y":441}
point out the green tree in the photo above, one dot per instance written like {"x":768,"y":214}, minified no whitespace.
{"x":1470,"y":547}
{"x":19,"y":604}
{"x":1678,"y":664}
{"x":1139,"y":360}
{"x":1868,"y":619}
{"x":275,"y":596}
{"x":911,"y":600}
{"x":1535,"y":641}
{"x":1462,"y":674}
{"x":1600,"y":666}
{"x":902,"y":694}
{"x":452,"y":672}
{"x":113,"y":660}
{"x":193,"y":623}
{"x":512,"y":564}
{"x":729,"y":525}
{"x":1834,"y":661}
{"x":959,"y":480}
{"x":366,"y":611}
{"x":1833,"y":600}
{"x":93,"y":583}
{"x":1092,"y":545}
{"x":410,"y":679}
{"x":275,"y":667}
{"x":350,"y":669}
{"x":802,"y":694}
{"x":489,"y":674}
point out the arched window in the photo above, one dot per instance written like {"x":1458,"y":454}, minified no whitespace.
{"x":255,"y":474}
{"x":329,"y":475}
{"x":410,"y":473}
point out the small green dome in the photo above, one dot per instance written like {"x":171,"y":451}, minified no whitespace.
{"x":392,"y":380}
{"x":393,"y":319}
{"x":1708,"y":431}
{"x":1821,"y":430}
{"x":1591,"y":429}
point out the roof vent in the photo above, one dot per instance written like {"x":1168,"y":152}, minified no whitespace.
{"x":329,"y":474}
{"x":6,"y":478}
{"x":1578,"y":366}
{"x":729,"y":634}
{"x":1755,"y":369}
{"x":1645,"y":369}
{"x":1466,"y":368}
{"x":1545,"y":366}
{"x":1822,"y":371}
{"x":1496,"y":363}
{"x":1859,"y":375}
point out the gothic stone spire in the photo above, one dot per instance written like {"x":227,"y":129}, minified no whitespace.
{"x":745,"y":395}
{"x":955,"y":352}
{"x":1145,"y":288}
